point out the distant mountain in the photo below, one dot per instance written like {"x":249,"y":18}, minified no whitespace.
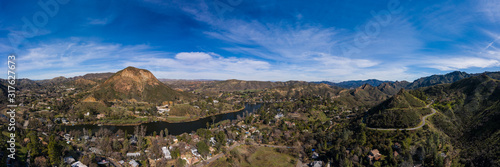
{"x":227,"y":85}
{"x":139,"y":84}
{"x":96,"y":77}
{"x":392,"y":88}
{"x":438,"y":79}
{"x":419,"y":83}
{"x":355,"y":84}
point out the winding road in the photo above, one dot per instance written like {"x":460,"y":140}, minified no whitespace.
{"x":422,"y":123}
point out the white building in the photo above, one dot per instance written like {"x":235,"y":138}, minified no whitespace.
{"x":78,"y":164}
{"x":166,"y":153}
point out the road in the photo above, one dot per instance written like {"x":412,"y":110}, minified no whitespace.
{"x":422,"y":123}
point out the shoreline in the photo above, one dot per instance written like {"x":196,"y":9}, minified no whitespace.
{"x":154,"y":119}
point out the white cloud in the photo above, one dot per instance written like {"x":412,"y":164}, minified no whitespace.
{"x":193,"y":56}
{"x":490,"y":8}
{"x":201,"y":62}
{"x":458,"y":63}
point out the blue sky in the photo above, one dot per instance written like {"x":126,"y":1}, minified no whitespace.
{"x":252,"y":40}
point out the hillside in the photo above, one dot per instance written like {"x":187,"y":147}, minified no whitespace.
{"x":470,"y":110}
{"x":392,"y":88}
{"x":227,"y":85}
{"x":138,"y":84}
{"x":403,"y":110}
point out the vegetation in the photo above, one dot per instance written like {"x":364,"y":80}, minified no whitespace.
{"x":403,"y":110}
{"x":298,"y":122}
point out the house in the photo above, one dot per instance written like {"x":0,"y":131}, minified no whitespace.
{"x":212,"y":141}
{"x":102,"y":161}
{"x":136,"y":154}
{"x":279,"y":115}
{"x":166,"y":153}
{"x":64,"y":121}
{"x":95,"y":150}
{"x":195,"y":152}
{"x":78,"y":164}
{"x":133,"y":163}
{"x":315,"y":155}
{"x":99,"y":116}
{"x":316,"y":164}
{"x":163,"y":109}
{"x":374,"y":154}
{"x":133,"y":140}
{"x":67,"y":137}
{"x":69,"y":160}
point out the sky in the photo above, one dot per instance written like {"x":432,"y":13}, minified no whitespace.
{"x":322,"y":40}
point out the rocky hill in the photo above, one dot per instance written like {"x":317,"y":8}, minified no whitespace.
{"x":139,"y":84}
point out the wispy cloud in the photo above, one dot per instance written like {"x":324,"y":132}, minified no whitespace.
{"x":201,"y":62}
{"x":490,"y":8}
{"x":459,"y":63}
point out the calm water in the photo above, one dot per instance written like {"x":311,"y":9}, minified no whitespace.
{"x":173,"y":128}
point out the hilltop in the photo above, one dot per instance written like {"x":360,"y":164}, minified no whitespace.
{"x":133,"y":83}
{"x":403,"y":110}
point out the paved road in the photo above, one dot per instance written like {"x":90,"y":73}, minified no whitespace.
{"x":422,"y":123}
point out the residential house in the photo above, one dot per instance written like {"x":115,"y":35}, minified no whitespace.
{"x":100,"y":116}
{"x":166,"y":153}
{"x":69,"y":160}
{"x":95,"y":150}
{"x":316,"y":164}
{"x":279,"y":115}
{"x":195,"y":152}
{"x":133,"y":163}
{"x":315,"y":155}
{"x":136,"y":154}
{"x":374,"y":155}
{"x":78,"y":164}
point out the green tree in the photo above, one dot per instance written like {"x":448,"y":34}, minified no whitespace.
{"x":34,"y":145}
{"x":54,"y":150}
{"x":377,"y":164}
{"x":202,"y":148}
{"x":220,"y":137}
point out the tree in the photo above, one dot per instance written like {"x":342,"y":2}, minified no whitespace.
{"x":180,"y":162}
{"x":220,"y":138}
{"x":202,"y":148}
{"x":40,"y":161}
{"x":54,"y":150}
{"x":176,"y":153}
{"x":34,"y":145}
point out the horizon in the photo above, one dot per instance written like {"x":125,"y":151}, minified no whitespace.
{"x":260,"y":80}
{"x":393,"y":40}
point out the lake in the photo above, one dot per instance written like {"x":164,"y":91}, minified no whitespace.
{"x":173,"y":128}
